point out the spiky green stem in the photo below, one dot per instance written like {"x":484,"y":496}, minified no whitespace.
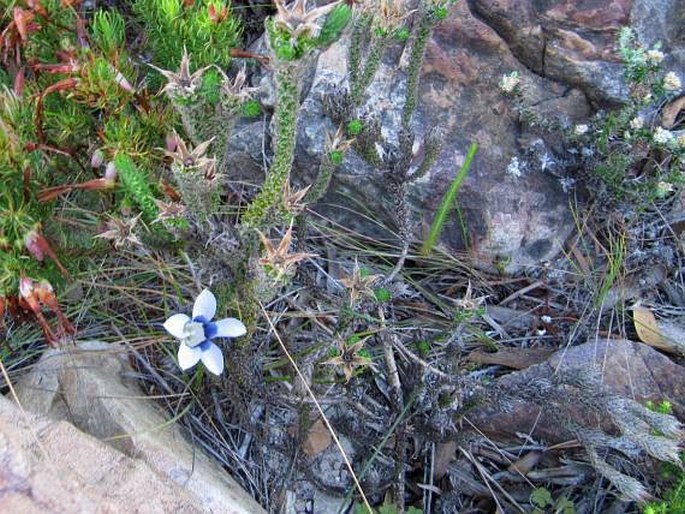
{"x":359,"y":35}
{"x":365,"y":142}
{"x":323,"y":180}
{"x":228,"y":113}
{"x":193,"y":114}
{"x":365,"y":76}
{"x":198,"y":193}
{"x":427,"y":21}
{"x":432,"y":143}
{"x":204,"y":119}
{"x":270,"y":196}
{"x":136,"y":184}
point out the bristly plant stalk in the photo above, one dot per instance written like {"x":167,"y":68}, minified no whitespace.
{"x":432,"y":143}
{"x":323,"y":180}
{"x":431,"y":12}
{"x":358,"y":36}
{"x":292,"y":47}
{"x":293,"y":41}
{"x":285,"y":116}
{"x":448,"y":201}
{"x":136,"y":185}
{"x":427,"y":21}
{"x":360,"y":79}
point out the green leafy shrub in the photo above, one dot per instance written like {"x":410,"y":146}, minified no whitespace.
{"x":206,"y":29}
{"x":636,"y":159}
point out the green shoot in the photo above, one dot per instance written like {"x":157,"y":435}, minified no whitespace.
{"x":447,"y":202}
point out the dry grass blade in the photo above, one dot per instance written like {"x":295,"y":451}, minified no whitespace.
{"x":488,"y":479}
{"x":319,"y":408}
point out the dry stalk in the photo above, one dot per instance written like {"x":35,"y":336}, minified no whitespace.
{"x":318,"y":407}
{"x":413,"y":357}
{"x":388,"y":353}
{"x":487,"y":479}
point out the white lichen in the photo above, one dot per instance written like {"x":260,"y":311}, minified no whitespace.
{"x":515,"y":168}
{"x":509,"y":83}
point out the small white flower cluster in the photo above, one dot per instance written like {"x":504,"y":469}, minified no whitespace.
{"x":663,"y":188}
{"x":637,"y":123}
{"x":655,"y":56}
{"x":580,"y":129}
{"x":662,"y":136}
{"x":509,"y":83}
{"x":672,"y":82}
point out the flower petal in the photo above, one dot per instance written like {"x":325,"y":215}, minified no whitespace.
{"x":205,"y":306}
{"x":230,"y":327}
{"x":175,"y":324}
{"x":188,"y":357}
{"x":213,"y":359}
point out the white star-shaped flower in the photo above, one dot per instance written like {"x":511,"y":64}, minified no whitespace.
{"x":196,"y":334}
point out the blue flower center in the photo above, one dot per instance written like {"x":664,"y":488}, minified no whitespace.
{"x":210,"y":330}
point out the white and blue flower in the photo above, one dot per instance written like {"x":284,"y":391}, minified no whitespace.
{"x":196,"y":334}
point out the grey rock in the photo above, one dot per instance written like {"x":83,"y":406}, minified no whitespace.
{"x":50,"y":467}
{"x":521,"y":220}
{"x":663,"y":22}
{"x":514,"y":204}
{"x":628,"y":369}
{"x":87,"y":388}
{"x":574,"y":42}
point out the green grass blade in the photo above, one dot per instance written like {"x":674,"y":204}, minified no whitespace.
{"x":447,"y":201}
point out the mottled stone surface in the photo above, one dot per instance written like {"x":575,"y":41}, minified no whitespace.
{"x":85,"y":394}
{"x":52,"y":467}
{"x":564,"y":52}
{"x":517,"y":219}
{"x":663,"y":22}
{"x":631,"y":370}
{"x":569,"y":41}
{"x":574,"y":42}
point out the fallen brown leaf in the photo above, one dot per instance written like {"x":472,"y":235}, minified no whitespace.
{"x":525,"y":463}
{"x":318,"y":439}
{"x":666,"y":335}
{"x":517,"y":358}
{"x":648,"y":329}
{"x":670,"y":112}
{"x":444,"y":454}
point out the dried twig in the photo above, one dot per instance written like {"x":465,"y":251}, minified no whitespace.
{"x":319,"y":408}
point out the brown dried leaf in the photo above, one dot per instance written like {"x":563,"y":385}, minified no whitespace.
{"x":525,"y":463}
{"x":671,"y":111}
{"x":22,"y":18}
{"x":318,"y":439}
{"x":517,"y":358}
{"x":648,"y":329}
{"x":582,"y":260}
{"x":444,"y":454}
